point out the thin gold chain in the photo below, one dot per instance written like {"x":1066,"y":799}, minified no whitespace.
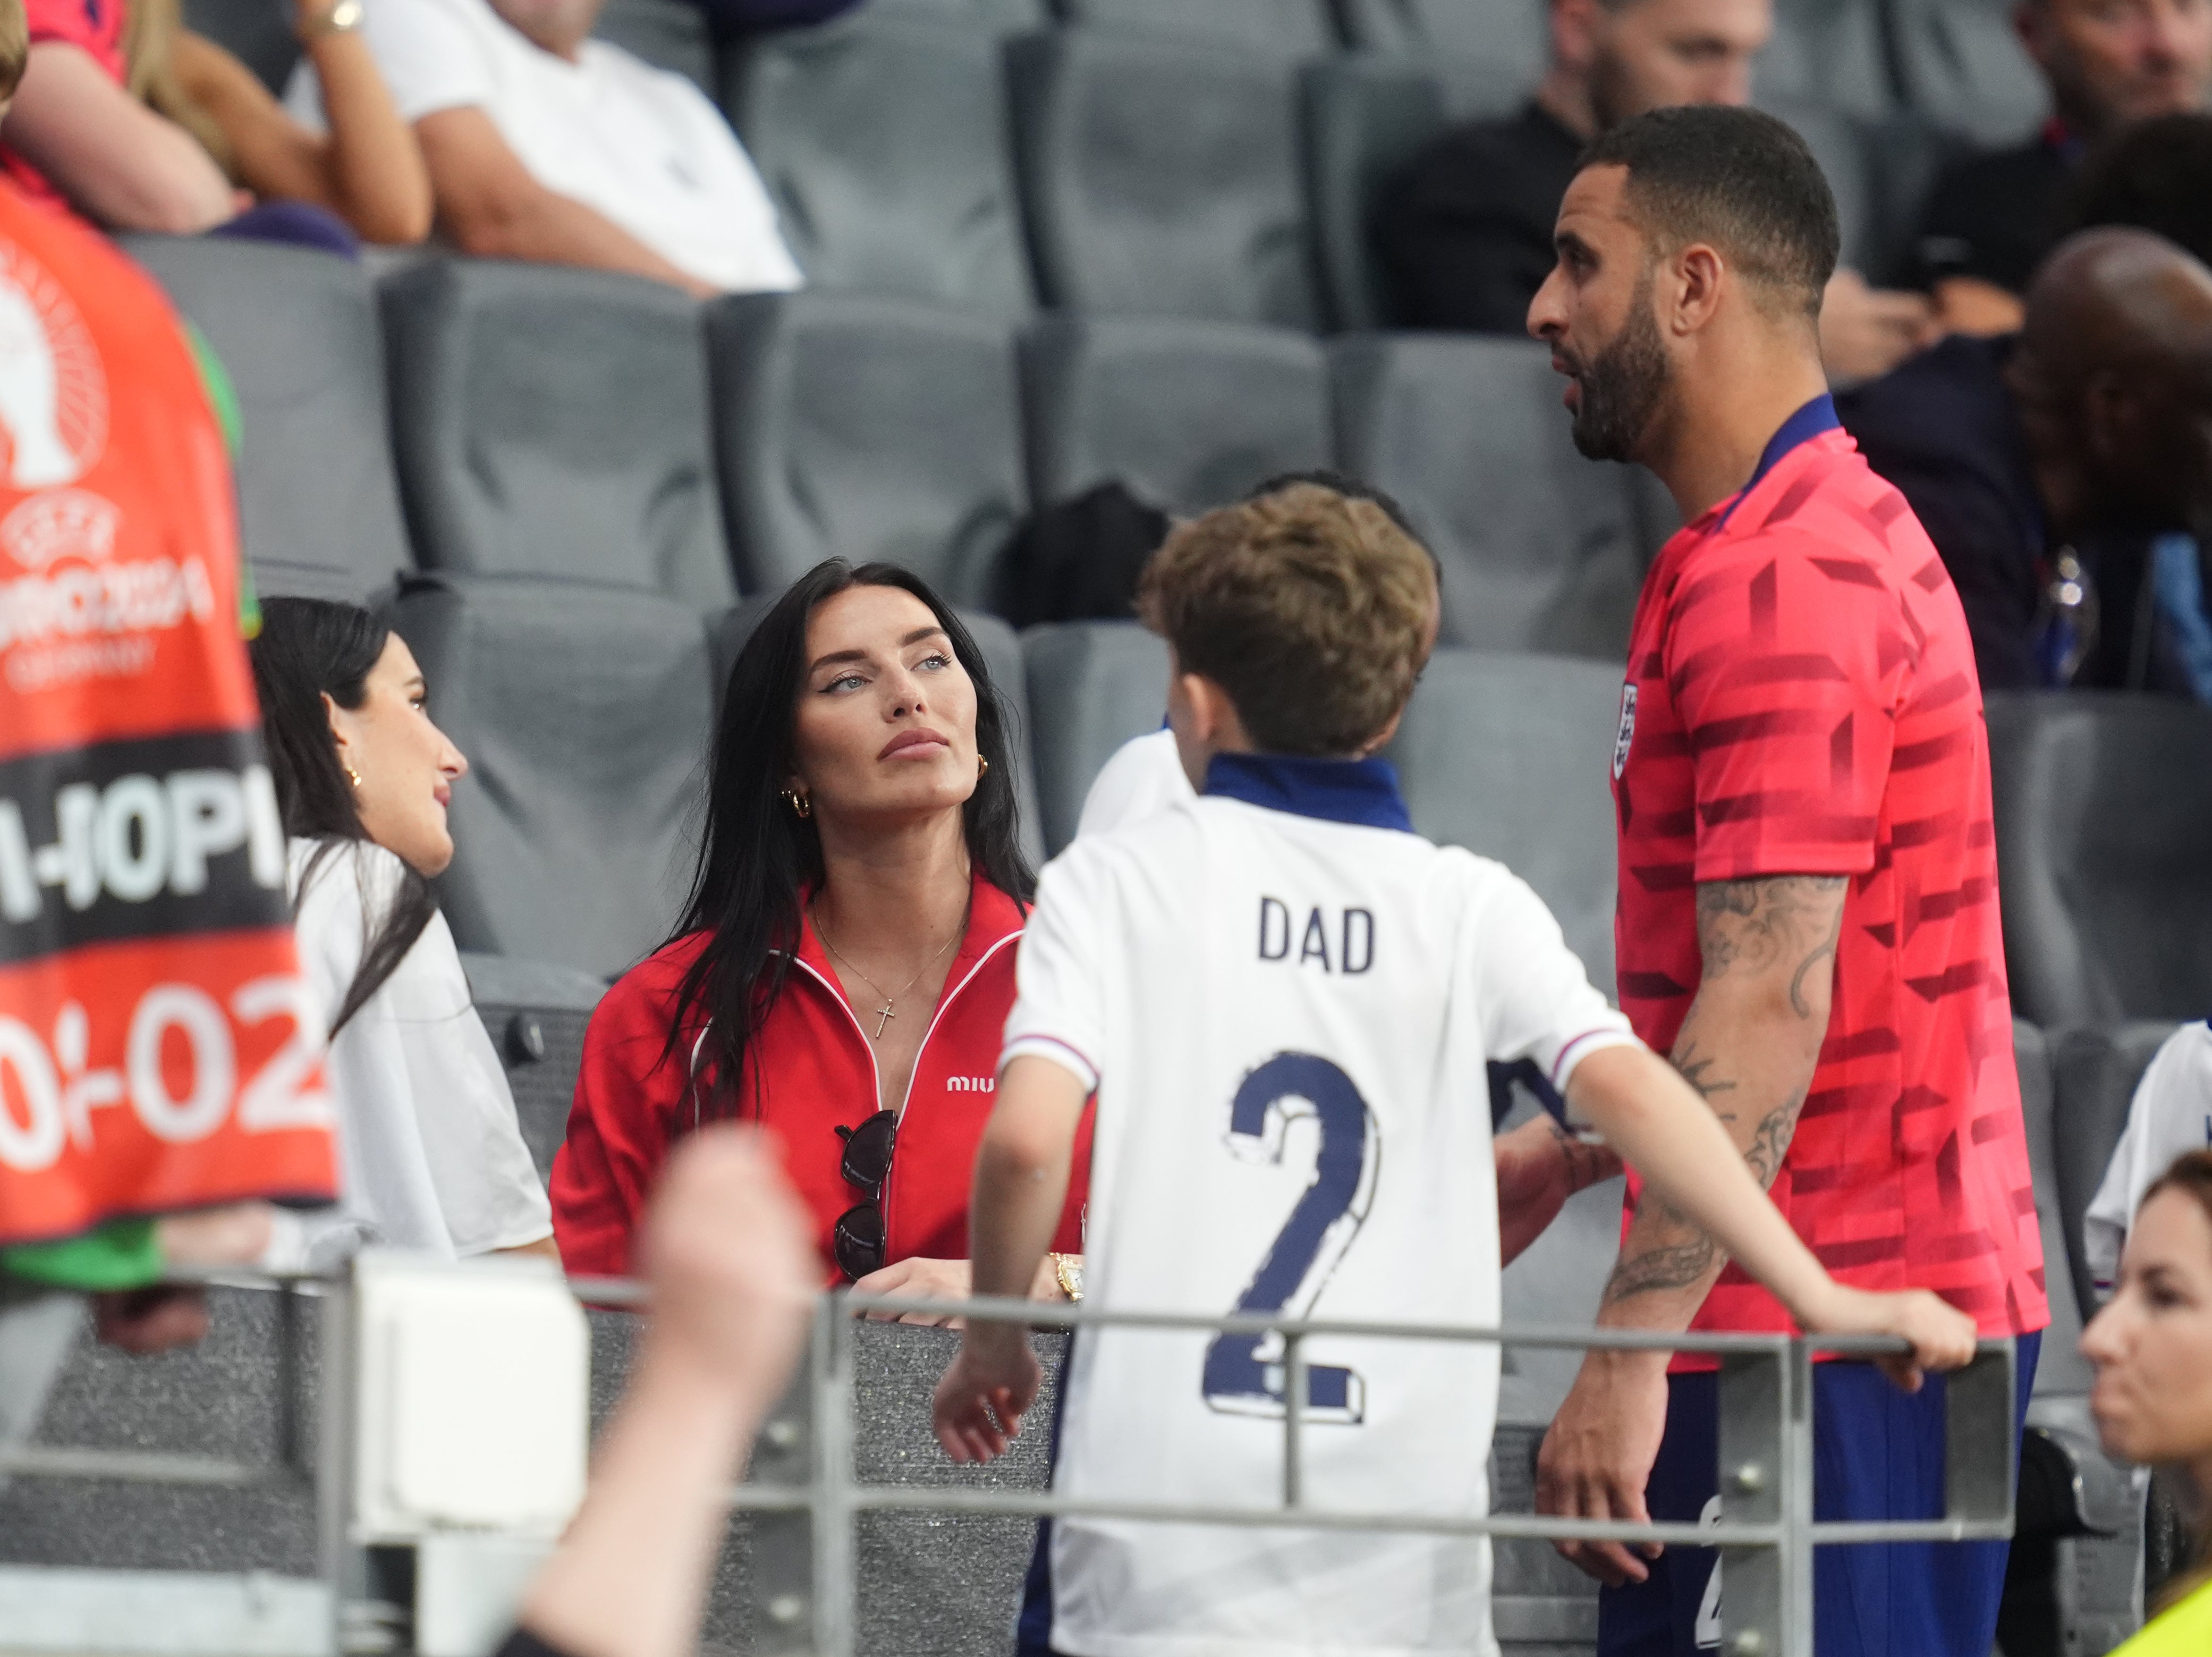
{"x":885,"y":1012}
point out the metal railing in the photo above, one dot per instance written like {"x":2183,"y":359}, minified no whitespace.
{"x":805,"y":1496}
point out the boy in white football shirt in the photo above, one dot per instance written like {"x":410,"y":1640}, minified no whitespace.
{"x":1285,"y":1001}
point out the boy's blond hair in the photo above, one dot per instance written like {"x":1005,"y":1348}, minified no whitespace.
{"x":1310,"y":609}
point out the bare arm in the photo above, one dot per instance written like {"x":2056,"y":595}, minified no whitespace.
{"x":368,"y":169}
{"x":1540,"y":1165}
{"x":1021,"y":1184}
{"x":493,"y":208}
{"x":118,"y":162}
{"x":1967,"y":304}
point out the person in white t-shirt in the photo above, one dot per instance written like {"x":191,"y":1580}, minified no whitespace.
{"x":1285,"y":1002}
{"x":430,"y":1155}
{"x":545,"y":144}
{"x":2169,"y":1114}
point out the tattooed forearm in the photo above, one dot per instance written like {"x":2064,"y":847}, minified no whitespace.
{"x":1586,"y":1164}
{"x":1771,"y":1142}
{"x":1678,"y":1265}
{"x":1696,"y":1069}
{"x":1782,"y":922}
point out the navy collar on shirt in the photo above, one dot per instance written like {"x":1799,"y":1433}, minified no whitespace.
{"x":1809,"y":422}
{"x":1363,"y":792}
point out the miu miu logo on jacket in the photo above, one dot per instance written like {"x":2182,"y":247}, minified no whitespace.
{"x":971,"y":1084}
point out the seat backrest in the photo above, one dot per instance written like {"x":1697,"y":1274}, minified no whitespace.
{"x":2103,"y":857}
{"x":668,"y":34}
{"x":297,"y":330}
{"x":1001,"y":651}
{"x":865,"y":429}
{"x":884,"y":142}
{"x":1963,"y":67}
{"x":1093,"y":685}
{"x":1541,"y":549}
{"x":1365,"y":117}
{"x":553,"y":421}
{"x":1189,"y":415}
{"x":1506,"y":33}
{"x":2096,"y":1068}
{"x":1291,"y":28}
{"x":585,"y":712}
{"x":1843,"y":148}
{"x":257,"y":33}
{"x":1828,"y":52}
{"x":1160,"y":178}
{"x":1506,"y":754}
{"x":991,"y":14}
{"x":2061,"y":1370}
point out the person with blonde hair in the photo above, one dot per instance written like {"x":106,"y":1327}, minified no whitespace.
{"x":2152,"y":1345}
{"x":135,"y":122}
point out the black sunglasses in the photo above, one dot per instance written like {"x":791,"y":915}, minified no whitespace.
{"x":860,"y":1236}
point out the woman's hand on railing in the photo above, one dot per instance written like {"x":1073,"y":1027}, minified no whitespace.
{"x":987,"y":1391}
{"x":923,"y":1279}
{"x":1942,"y":1336}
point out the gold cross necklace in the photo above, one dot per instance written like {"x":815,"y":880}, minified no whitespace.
{"x":884,"y":1014}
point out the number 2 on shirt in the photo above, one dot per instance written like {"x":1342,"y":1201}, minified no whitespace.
{"x":1244,"y":1373}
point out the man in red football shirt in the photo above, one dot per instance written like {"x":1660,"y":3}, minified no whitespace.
{"x":1808,"y":909}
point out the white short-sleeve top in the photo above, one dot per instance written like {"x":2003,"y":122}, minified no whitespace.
{"x":430,"y":1155}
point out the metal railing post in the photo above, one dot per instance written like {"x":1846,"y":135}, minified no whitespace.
{"x":1754,"y":1404}
{"x":783,"y":1539}
{"x":834,"y":1509}
{"x":1981,"y":1418}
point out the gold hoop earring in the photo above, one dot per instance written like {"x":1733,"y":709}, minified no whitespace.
{"x":801,"y":805}
{"x":981,"y":766}
{"x":353,"y":776}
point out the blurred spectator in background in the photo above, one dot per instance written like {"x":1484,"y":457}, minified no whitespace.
{"x":547,"y":145}
{"x":2152,"y":1345}
{"x":140,"y":125}
{"x":1991,"y":219}
{"x":1465,"y":231}
{"x":2170,"y":1116}
{"x":844,"y":969}
{"x":432,"y":1158}
{"x":2044,"y":465}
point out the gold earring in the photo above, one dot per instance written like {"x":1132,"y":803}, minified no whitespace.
{"x":801,"y":805}
{"x":353,"y":776}
{"x":981,"y":766}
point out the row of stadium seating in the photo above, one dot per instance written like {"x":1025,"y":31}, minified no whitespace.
{"x":547,"y":422}
{"x":939,"y":1584}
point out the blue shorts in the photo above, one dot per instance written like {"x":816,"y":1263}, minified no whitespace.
{"x":1877,"y":1454}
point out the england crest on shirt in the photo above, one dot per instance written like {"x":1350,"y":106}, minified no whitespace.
{"x":1627,"y":733}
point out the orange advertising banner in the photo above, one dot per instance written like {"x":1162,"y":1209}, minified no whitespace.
{"x":159,"y":1049}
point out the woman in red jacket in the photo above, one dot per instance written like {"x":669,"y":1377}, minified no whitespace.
{"x":845,"y":965}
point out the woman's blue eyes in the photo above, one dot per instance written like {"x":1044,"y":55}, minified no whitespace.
{"x":935,"y":662}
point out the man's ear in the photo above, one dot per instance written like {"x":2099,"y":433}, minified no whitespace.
{"x":1576,"y":25}
{"x":1694,"y":279}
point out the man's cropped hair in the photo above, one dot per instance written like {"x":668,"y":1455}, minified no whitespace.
{"x":1309,"y":608}
{"x":1736,"y":180}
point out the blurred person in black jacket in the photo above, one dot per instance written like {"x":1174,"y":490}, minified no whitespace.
{"x":2046,"y":465}
{"x":1465,"y":230}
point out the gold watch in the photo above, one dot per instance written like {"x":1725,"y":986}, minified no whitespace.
{"x":340,"y":18}
{"x":1067,"y":1272}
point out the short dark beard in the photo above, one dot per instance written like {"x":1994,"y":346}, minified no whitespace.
{"x":1622,"y":386}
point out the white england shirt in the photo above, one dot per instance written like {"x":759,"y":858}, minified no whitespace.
{"x":1144,"y":774}
{"x":1286,"y":1002}
{"x":2169,"y":1114}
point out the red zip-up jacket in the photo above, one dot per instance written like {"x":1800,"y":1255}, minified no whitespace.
{"x":811,"y":1070}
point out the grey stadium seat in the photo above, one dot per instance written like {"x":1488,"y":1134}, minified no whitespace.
{"x":2103,"y":858}
{"x":1093,"y":685}
{"x":669,"y":34}
{"x":884,"y":141}
{"x":1002,"y":658}
{"x":536,"y":1014}
{"x":865,"y":428}
{"x":1541,"y":549}
{"x":585,"y":712}
{"x":1160,"y":178}
{"x":553,"y":421}
{"x":297,"y":331}
{"x":1963,"y":68}
{"x":1365,"y":119}
{"x":1507,"y":755}
{"x":257,"y":33}
{"x":1292,"y":28}
{"x":1510,"y":35}
{"x":1844,"y":150}
{"x":1189,"y":415}
{"x":1830,"y":52}
{"x":990,"y":13}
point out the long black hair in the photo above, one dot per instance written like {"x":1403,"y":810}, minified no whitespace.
{"x":309,"y":648}
{"x":757,"y":857}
